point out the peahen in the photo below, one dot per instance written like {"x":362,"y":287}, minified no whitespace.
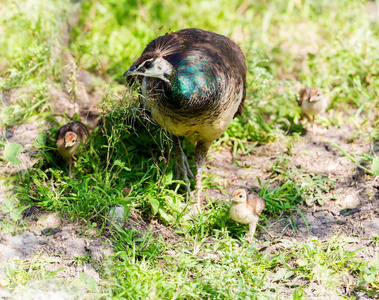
{"x":193,"y":83}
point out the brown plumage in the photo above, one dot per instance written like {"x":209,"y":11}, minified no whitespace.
{"x":193,"y":82}
{"x":69,"y":139}
{"x":246,"y":209}
{"x":312,"y":102}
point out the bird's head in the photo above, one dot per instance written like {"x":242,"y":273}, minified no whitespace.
{"x":315,"y":95}
{"x":239,"y":196}
{"x":70,"y":139}
{"x":151,"y":65}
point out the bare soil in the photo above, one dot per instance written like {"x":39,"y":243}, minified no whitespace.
{"x":354,"y":215}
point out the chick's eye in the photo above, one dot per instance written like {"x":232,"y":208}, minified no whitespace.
{"x":318,"y":94}
{"x":240,"y":196}
{"x":148,"y":65}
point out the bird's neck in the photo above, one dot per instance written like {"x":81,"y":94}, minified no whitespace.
{"x":239,"y":204}
{"x":173,"y":80}
{"x":175,"y":90}
{"x":189,"y":80}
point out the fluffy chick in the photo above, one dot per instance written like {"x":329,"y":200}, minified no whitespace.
{"x":312,"y":102}
{"x":246,"y":209}
{"x":69,"y":139}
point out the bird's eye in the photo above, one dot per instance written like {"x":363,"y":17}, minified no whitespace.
{"x":148,"y":65}
{"x":240,"y":196}
{"x":318,"y":94}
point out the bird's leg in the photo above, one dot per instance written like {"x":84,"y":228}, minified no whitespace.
{"x":310,"y":122}
{"x":252,"y":227}
{"x":200,"y":157}
{"x":313,"y":124}
{"x":70,"y":163}
{"x":69,"y":169}
{"x":182,"y":166}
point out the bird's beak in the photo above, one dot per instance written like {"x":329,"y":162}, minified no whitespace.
{"x":235,"y":199}
{"x":312,"y":99}
{"x":130,"y":71}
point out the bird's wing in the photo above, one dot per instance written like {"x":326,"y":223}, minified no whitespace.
{"x":303,"y":94}
{"x":241,"y":67}
{"x":299,"y":100}
{"x":327,"y":100}
{"x":255,"y":203}
{"x":81,"y":130}
{"x":61,"y":132}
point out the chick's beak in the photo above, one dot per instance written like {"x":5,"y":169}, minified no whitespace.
{"x":312,"y":99}
{"x":236,"y":199}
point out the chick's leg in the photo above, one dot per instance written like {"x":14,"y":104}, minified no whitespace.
{"x":316,"y":129}
{"x":252,"y":228}
{"x":310,"y":120}
{"x":200,"y":157}
{"x":182,"y":167}
{"x":70,"y":162}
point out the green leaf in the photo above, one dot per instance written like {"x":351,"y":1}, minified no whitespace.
{"x":154,"y":205}
{"x":167,"y":179}
{"x":16,"y":214}
{"x":301,"y":262}
{"x":88,"y":281}
{"x":370,"y":278}
{"x":374,"y":263}
{"x":375,"y":166}
{"x":11,"y":151}
{"x":40,"y":141}
{"x":282,"y":274}
{"x":166,"y":216}
{"x":8,"y":205}
{"x":121,"y":164}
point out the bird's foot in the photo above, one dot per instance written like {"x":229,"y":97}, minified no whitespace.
{"x":315,"y":129}
{"x":250,"y":238}
{"x":195,"y":210}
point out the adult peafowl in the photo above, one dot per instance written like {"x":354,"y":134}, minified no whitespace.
{"x":193,"y":83}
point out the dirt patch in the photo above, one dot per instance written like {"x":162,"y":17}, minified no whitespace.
{"x":144,"y":224}
{"x":53,"y":237}
{"x":354,"y":213}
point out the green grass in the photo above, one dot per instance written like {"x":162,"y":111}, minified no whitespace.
{"x":331,"y":44}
